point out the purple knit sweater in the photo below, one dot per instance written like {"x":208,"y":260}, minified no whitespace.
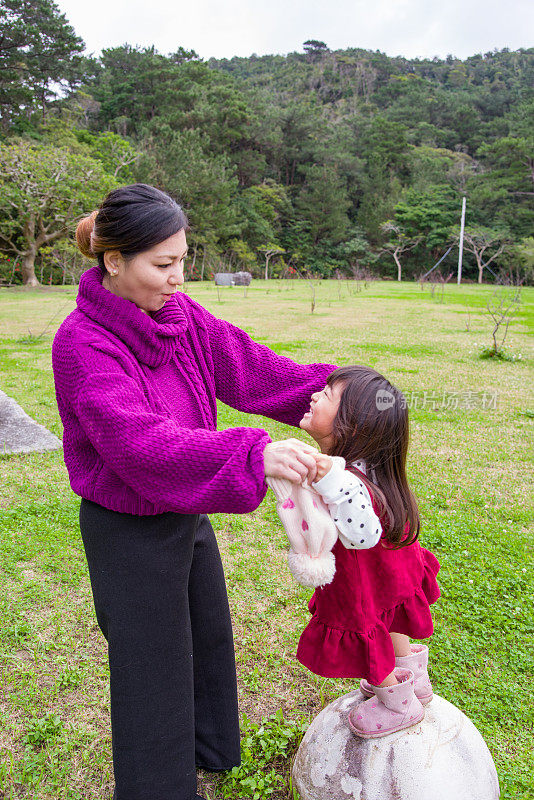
{"x":137,"y":398}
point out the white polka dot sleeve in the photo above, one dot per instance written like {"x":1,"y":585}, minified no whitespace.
{"x":350,"y":506}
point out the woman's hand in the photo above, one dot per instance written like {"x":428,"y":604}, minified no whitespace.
{"x":324,"y":464}
{"x":290,"y":459}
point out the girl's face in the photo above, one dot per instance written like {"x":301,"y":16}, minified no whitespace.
{"x":319,"y":419}
{"x":150,"y":278}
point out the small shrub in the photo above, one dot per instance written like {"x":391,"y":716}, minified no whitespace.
{"x":10,"y":273}
{"x":253,"y":680}
{"x":31,"y":767}
{"x":41,"y":730}
{"x":266,"y":747}
{"x":502,"y":354}
{"x":70,"y":678}
{"x":29,"y":339}
{"x":502,"y":308}
{"x":19,"y":631}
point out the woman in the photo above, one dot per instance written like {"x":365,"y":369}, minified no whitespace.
{"x":138,"y":368}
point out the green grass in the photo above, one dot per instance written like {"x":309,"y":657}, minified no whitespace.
{"x":470,"y":468}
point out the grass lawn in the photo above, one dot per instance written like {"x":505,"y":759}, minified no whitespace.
{"x":470,"y":467}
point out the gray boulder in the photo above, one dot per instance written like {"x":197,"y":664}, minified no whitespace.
{"x":224,"y":279}
{"x":242,"y":278}
{"x":232,"y":278}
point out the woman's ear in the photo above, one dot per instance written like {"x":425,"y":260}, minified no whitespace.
{"x":113,"y":261}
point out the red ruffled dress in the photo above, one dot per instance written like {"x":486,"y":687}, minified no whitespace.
{"x":373,"y":592}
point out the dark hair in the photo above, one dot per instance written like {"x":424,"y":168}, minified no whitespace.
{"x":131,"y":219}
{"x":372,"y":424}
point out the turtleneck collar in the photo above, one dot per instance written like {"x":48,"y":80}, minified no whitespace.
{"x":152,"y":338}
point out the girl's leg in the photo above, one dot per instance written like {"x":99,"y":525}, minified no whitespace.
{"x":390,"y":680}
{"x":414,"y":657}
{"x":216,"y":711}
{"x":139,"y":569}
{"x":401,"y":646}
{"x":393,"y":704}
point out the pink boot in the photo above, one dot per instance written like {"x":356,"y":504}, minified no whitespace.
{"x":392,"y":709}
{"x":417,"y":661}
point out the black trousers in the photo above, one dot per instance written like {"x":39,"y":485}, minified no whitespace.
{"x":160,"y":600}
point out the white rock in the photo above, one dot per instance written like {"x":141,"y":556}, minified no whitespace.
{"x":444,"y":757}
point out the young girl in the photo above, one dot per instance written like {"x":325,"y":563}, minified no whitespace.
{"x":384,"y":580}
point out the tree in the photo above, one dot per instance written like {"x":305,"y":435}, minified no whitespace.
{"x":399,"y":243}
{"x":479,"y":240}
{"x":356,"y":250}
{"x":324,"y":202}
{"x":39,"y":56}
{"x":43,"y":191}
{"x":429,"y":165}
{"x":501,"y":307}
{"x":383,"y":146}
{"x":116,"y":154}
{"x":262,"y":209}
{"x":270,"y":251}
{"x":181,"y":163}
{"x":512,"y":156}
{"x":523,"y":253}
{"x":139,"y":85}
{"x":429,"y":214}
{"x":504,"y":189}
{"x":313,"y":47}
{"x":239,"y":251}
{"x":135,"y":85}
{"x":300,"y":124}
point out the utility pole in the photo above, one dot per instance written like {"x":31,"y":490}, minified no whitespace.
{"x":461,"y":248}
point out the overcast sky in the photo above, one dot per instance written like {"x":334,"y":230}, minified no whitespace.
{"x":226,"y":28}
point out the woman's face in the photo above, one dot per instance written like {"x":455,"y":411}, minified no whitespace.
{"x":149,"y":279}
{"x":319,"y":419}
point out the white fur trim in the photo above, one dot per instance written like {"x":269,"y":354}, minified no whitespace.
{"x":280,"y":486}
{"x":310,"y":571}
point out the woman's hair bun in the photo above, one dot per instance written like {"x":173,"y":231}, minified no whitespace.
{"x":84,"y":230}
{"x":131,"y":220}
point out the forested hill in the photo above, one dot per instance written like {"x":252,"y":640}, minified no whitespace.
{"x":443,"y":103}
{"x":406,"y":137}
{"x":316,"y":161}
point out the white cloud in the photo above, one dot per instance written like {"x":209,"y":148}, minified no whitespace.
{"x":232,"y":27}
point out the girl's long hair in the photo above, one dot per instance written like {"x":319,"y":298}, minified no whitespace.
{"x":372,"y":424}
